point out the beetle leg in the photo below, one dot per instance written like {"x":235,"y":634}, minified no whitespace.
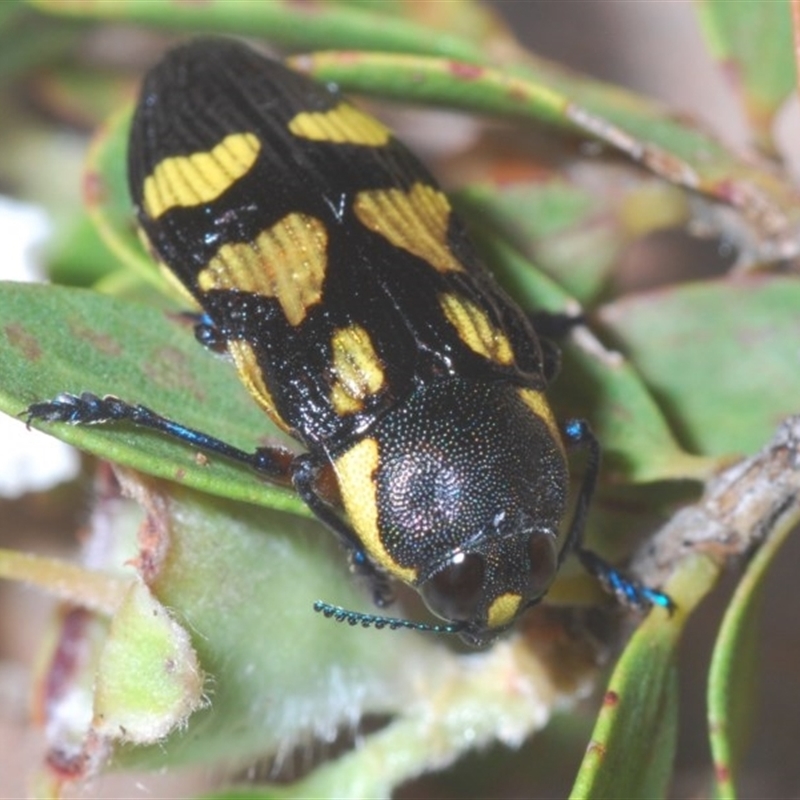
{"x":208,"y":334}
{"x":554,"y":325}
{"x":577,"y":433}
{"x":90,"y":409}
{"x":550,"y":328}
{"x":551,"y":359}
{"x":629,"y":591}
{"x":379,"y":582}
{"x":205,"y":331}
{"x":305,"y":471}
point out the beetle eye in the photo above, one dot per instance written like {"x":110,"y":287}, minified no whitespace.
{"x":454,"y":592}
{"x":544,"y":563}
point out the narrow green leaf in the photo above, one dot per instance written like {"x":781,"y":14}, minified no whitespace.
{"x":530,"y":87}
{"x":54,"y":339}
{"x":741,"y":505}
{"x":108,"y":201}
{"x":733,"y":675}
{"x":285,"y":23}
{"x":542,"y":91}
{"x":633,"y":744}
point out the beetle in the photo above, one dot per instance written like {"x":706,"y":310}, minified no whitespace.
{"x":328,"y":263}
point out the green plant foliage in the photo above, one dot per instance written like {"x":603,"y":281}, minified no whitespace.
{"x":726,"y":396}
{"x":56,"y":339}
{"x":753,"y":43}
{"x":733,"y":676}
{"x":208,"y":651}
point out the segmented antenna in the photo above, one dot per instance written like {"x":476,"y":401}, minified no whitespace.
{"x":373,"y":621}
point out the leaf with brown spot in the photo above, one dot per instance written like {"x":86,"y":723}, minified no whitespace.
{"x":119,"y":348}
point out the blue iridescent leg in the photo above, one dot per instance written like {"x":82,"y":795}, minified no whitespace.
{"x":90,"y":409}
{"x":628,"y":591}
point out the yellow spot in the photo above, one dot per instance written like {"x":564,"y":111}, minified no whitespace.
{"x":286,"y":261}
{"x":186,"y":181}
{"x":356,"y":369}
{"x":355,"y":473}
{"x":343,"y":124}
{"x":503,"y":610}
{"x":537,"y":402}
{"x":416,"y":220}
{"x":252,"y":377}
{"x":475,"y":329}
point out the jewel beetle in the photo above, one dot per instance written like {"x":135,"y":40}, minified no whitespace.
{"x":328,"y":263}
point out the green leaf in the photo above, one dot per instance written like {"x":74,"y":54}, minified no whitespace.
{"x":54,"y":339}
{"x":720,"y":357}
{"x":525,"y":86}
{"x":733,"y":674}
{"x":77,"y":256}
{"x":575,"y":227}
{"x":148,"y":680}
{"x":214,"y":654}
{"x":283,"y":22}
{"x":750,"y":500}
{"x":752,"y":40}
{"x":633,"y":744}
{"x":638,"y":442}
{"x":541,"y":91}
{"x":243,"y":581}
{"x":108,"y":201}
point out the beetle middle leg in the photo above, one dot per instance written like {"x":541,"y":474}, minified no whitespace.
{"x":550,"y":328}
{"x":628,"y":590}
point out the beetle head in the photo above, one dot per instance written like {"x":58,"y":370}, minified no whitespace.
{"x":471,"y":488}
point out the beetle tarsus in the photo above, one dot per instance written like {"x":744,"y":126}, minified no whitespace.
{"x":628,"y":591}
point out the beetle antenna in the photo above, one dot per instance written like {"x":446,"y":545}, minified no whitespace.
{"x":373,"y":621}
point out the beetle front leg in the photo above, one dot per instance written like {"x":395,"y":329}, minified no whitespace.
{"x":91,"y":409}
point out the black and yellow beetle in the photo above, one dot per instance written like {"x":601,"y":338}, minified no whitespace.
{"x":328,"y":262}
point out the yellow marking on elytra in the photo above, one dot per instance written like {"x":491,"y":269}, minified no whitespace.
{"x":286,"y":261}
{"x":416,"y":220}
{"x":252,"y":377}
{"x":476,"y":330}
{"x":503,"y":609}
{"x":356,"y":368}
{"x":355,"y":472}
{"x":188,"y":181}
{"x":342,"y":124}
{"x":537,"y":402}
